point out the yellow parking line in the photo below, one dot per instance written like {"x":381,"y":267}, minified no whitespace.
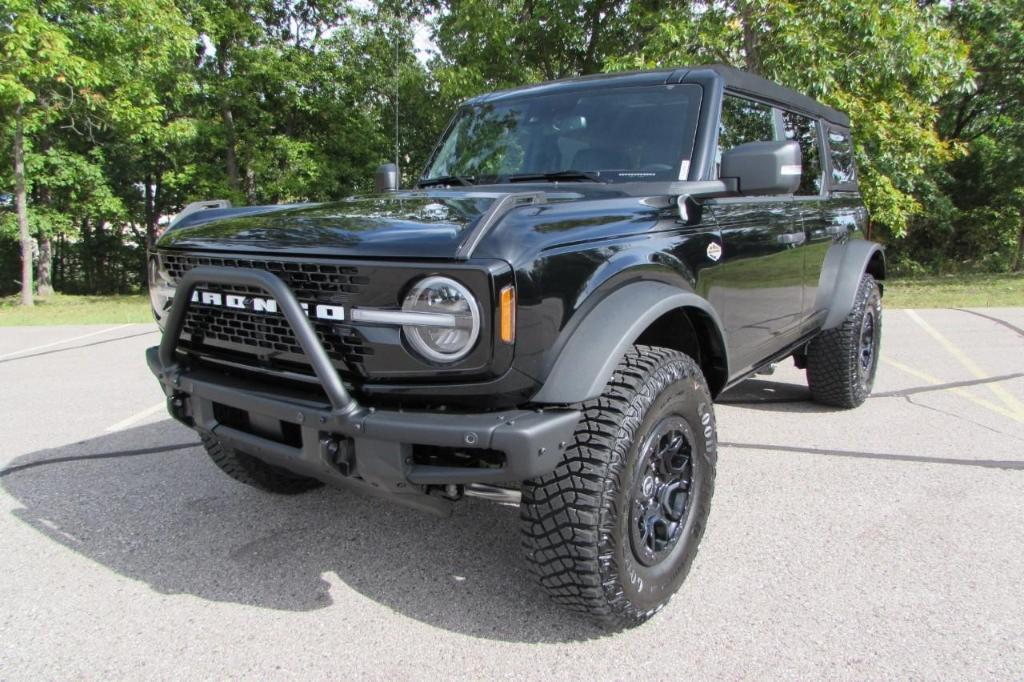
{"x":1008,"y":399}
{"x":923,"y":376}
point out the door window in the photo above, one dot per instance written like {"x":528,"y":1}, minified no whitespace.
{"x":743,"y":121}
{"x":804,"y":131}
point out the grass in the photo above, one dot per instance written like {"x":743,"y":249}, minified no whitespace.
{"x":955,"y":291}
{"x":65,"y":309}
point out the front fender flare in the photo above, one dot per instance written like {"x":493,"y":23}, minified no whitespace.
{"x":589,"y":356}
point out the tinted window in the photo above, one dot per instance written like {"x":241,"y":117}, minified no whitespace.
{"x":623,"y":134}
{"x":744,"y":121}
{"x":841,"y":151}
{"x":805,"y":131}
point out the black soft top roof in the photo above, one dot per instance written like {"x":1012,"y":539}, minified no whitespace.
{"x":742,"y":82}
{"x":735,"y":80}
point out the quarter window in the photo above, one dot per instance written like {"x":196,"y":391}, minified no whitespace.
{"x":841,"y":151}
{"x":804,"y":131}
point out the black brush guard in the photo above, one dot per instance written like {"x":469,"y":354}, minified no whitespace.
{"x":342,"y":442}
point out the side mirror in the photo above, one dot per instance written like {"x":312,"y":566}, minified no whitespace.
{"x":763,"y":167}
{"x":386,"y":178}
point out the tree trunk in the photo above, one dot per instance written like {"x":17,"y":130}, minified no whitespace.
{"x":1018,"y":260}
{"x":21,"y":207}
{"x":227,"y":117}
{"x":231,"y":141}
{"x":751,"y":39}
{"x":45,"y":284}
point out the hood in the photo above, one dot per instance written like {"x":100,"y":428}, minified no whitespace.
{"x":412,"y":224}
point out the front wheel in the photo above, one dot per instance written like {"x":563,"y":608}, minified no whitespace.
{"x":613,"y":530}
{"x":254,"y":472}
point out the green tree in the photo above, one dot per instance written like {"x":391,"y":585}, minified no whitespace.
{"x":885,"y":62}
{"x":986,"y":186}
{"x":74,"y":71}
{"x":39,"y":77}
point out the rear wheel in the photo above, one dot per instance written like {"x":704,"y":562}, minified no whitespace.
{"x":255,"y":472}
{"x":613,"y":530}
{"x":841,"y":362}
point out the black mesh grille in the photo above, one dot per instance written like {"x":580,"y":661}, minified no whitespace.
{"x":321,"y":282}
{"x":266,"y":339}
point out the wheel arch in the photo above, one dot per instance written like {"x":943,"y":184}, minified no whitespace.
{"x":850,"y":264}
{"x":652,"y":313}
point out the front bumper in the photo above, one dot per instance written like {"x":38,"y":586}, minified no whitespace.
{"x":339,"y":441}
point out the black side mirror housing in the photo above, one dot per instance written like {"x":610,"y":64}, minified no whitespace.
{"x":763,"y":167}
{"x":386,"y":178}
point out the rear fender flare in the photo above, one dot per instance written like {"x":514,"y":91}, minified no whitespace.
{"x":593,"y":349}
{"x":844,"y":267}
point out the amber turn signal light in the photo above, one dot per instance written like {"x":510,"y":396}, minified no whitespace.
{"x":507,"y":308}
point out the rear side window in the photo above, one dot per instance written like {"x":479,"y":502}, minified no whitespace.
{"x":804,"y":131}
{"x":841,"y":150}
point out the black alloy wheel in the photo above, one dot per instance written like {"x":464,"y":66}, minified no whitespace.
{"x":661,"y":490}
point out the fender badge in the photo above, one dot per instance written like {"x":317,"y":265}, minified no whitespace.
{"x":714,"y":251}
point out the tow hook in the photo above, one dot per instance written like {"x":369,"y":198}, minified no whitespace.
{"x":177,"y":405}
{"x":338,"y":453}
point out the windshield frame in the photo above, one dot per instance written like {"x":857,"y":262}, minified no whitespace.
{"x":678,"y":172}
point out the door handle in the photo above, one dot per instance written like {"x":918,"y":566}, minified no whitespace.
{"x":794,"y":238}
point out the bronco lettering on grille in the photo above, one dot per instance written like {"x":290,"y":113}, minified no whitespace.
{"x":258,"y":304}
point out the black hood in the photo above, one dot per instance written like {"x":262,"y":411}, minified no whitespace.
{"x":430,"y":224}
{"x":404,"y":224}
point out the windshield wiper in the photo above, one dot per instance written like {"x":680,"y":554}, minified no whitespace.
{"x":464,"y":181}
{"x":558,"y":175}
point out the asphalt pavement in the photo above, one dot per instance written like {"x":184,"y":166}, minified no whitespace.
{"x":886,"y":541}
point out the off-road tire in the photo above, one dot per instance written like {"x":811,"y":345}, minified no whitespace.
{"x":255,"y":472}
{"x":837,"y":373}
{"x":576,"y":521}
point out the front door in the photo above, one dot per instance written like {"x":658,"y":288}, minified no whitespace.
{"x":757,"y":284}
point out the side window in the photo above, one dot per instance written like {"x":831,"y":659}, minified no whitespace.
{"x":841,"y":150}
{"x":804,"y":131}
{"x":744,"y":121}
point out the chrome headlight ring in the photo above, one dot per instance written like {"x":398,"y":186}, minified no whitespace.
{"x":443,"y":322}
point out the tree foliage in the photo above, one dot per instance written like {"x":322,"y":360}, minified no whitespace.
{"x":129,"y":109}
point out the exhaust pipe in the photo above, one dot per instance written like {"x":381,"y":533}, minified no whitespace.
{"x":493,"y":493}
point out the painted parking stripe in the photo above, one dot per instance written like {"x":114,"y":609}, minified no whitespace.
{"x":62,"y":341}
{"x":135,"y":418}
{"x":1008,"y":398}
{"x":924,"y":376}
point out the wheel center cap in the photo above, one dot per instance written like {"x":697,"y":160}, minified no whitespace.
{"x":648,"y":486}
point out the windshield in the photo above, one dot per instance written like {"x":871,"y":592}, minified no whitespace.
{"x":612,"y":135}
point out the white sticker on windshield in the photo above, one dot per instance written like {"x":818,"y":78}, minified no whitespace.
{"x":684,"y":169}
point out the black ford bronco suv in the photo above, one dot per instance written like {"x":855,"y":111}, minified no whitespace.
{"x":546,"y":317}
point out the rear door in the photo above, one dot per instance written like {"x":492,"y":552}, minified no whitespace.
{"x":757,"y":286}
{"x":842,"y":216}
{"x":809,"y":207}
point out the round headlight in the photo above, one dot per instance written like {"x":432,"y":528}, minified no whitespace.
{"x":161,"y":290}
{"x":451,"y":319}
